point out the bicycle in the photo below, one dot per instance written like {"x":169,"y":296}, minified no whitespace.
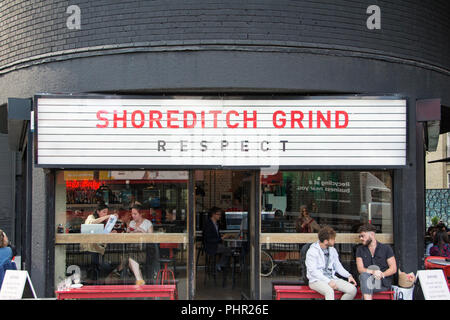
{"x":267,"y":264}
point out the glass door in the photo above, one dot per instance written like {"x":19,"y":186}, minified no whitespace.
{"x":224,"y":203}
{"x":250,"y":285}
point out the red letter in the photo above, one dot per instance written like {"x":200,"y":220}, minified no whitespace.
{"x":338,"y":126}
{"x":194,"y":119}
{"x":252,"y":119}
{"x":203,"y":118}
{"x":326,"y":121}
{"x":133,"y":119}
{"x":294,"y":119}
{"x":283,"y":120}
{"x":123,"y":118}
{"x":103,"y":119}
{"x":215,"y":113}
{"x":157,"y":120}
{"x":228,"y":119}
{"x":170,"y":119}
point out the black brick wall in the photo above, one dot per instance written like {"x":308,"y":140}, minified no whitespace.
{"x":412,"y":30}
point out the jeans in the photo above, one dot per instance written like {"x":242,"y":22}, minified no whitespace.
{"x":369,"y":285}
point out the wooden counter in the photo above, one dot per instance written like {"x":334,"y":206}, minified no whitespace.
{"x":68,"y":238}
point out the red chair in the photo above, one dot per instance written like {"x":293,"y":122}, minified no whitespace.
{"x":165,"y":275}
{"x":430,"y":265}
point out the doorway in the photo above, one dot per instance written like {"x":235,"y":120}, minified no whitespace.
{"x":234,"y":192}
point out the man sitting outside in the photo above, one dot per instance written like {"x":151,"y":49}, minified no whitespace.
{"x":322,"y":262}
{"x":375,"y":262}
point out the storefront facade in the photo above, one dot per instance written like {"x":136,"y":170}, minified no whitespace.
{"x":260,"y":160}
{"x":277,"y":60}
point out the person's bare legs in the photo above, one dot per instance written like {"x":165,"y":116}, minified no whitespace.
{"x":134,"y":267}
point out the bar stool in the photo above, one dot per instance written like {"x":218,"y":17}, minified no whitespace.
{"x":210,"y":267}
{"x":211,"y":271}
{"x":165,"y":275}
{"x":200,"y":251}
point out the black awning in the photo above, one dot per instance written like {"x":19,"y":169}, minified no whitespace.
{"x":18,"y":112}
{"x":440,"y":160}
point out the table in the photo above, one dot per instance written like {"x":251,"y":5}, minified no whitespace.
{"x":236,"y":253}
{"x":119,"y":291}
{"x":433,"y":262}
{"x":441,"y":262}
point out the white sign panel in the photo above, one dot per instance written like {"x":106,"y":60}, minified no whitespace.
{"x":434,"y":285}
{"x":152,"y":175}
{"x":14,"y":284}
{"x":195,"y":132}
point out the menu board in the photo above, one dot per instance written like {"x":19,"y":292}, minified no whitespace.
{"x":433,"y":284}
{"x":14,"y":284}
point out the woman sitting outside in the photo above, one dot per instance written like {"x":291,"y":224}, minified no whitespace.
{"x":6,"y":254}
{"x":441,"y":246}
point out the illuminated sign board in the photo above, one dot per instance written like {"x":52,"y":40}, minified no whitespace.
{"x":102,"y":132}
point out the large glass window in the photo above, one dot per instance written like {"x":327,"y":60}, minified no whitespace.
{"x":295,"y":204}
{"x":301,"y":201}
{"x":122,"y":227}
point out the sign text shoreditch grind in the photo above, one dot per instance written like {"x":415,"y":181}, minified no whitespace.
{"x":217,"y":132}
{"x":219,"y":119}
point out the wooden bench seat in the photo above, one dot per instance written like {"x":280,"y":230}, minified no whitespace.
{"x":119,"y":291}
{"x":304,"y":292}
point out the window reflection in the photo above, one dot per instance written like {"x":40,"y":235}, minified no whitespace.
{"x":122,"y":227}
{"x":161,"y":195}
{"x":295,"y":204}
{"x":301,"y":201}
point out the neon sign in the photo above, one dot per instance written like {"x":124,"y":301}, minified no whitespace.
{"x":83,"y":184}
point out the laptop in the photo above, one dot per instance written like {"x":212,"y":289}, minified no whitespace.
{"x":92,"y":228}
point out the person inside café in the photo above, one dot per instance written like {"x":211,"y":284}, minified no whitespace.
{"x":138,"y":223}
{"x":99,"y":268}
{"x":305,"y":223}
{"x":322,"y":264}
{"x":213,"y":240}
{"x":136,"y":253}
{"x":172,"y":225}
{"x":375,"y":262}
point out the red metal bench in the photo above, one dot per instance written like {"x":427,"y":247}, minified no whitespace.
{"x":304,"y":292}
{"x":119,"y":291}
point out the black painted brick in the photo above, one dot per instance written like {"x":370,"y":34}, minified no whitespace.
{"x":416,"y":30}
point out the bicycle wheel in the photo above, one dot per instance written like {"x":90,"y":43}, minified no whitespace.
{"x":267,"y":264}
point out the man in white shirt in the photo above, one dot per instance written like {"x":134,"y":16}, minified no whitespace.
{"x":322,"y":263}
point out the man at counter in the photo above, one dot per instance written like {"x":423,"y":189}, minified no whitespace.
{"x":213,"y":240}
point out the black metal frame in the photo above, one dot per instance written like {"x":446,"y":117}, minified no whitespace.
{"x":50,"y":239}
